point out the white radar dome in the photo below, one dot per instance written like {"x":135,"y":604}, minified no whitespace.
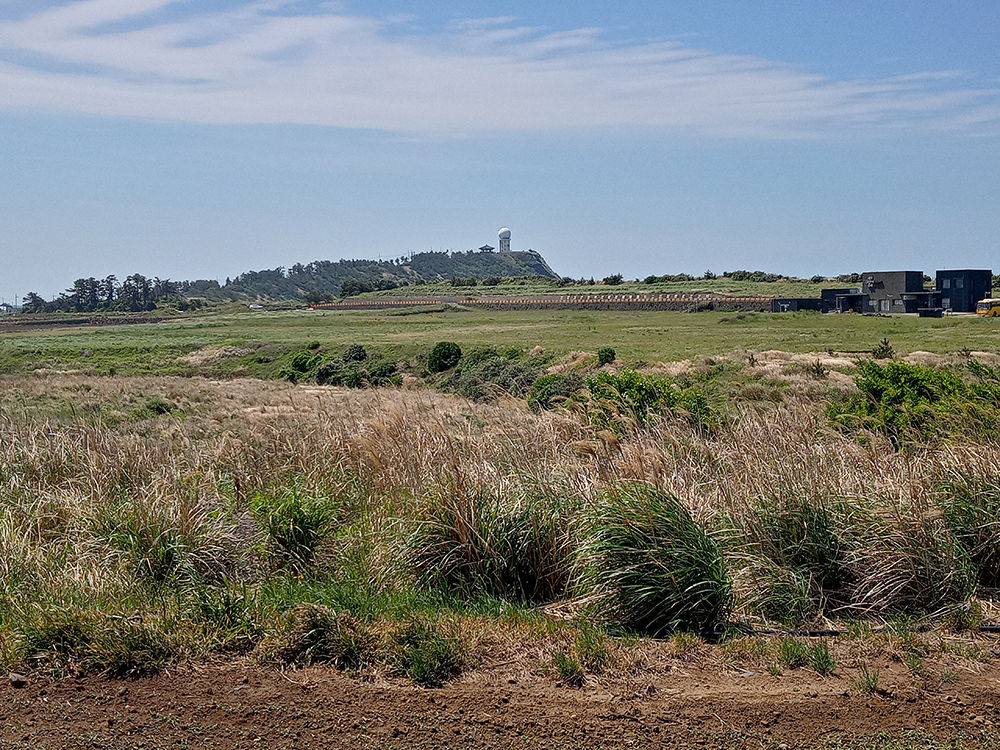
{"x":504,"y":233}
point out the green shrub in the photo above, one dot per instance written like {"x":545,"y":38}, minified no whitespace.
{"x":380,"y":373}
{"x":159,"y":406}
{"x":883,"y":350}
{"x":444,"y":356}
{"x":630,"y":397}
{"x":489,"y":377}
{"x":355,"y":353}
{"x":657,"y":569}
{"x":605,"y":355}
{"x":911,"y":404}
{"x":549,"y":390}
{"x":329,"y":373}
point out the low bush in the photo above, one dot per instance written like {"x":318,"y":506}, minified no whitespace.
{"x":355,"y":353}
{"x":548,"y":391}
{"x":655,"y":567}
{"x":444,"y":356}
{"x":911,"y":404}
{"x":627,"y":398}
{"x":492,"y":374}
{"x":605,"y":355}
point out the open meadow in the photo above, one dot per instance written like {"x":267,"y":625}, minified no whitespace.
{"x":727,"y":520}
{"x":636,"y":336}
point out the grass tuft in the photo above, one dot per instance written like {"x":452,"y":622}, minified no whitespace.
{"x":658,"y":570}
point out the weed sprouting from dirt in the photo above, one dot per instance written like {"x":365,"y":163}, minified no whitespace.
{"x":868,"y":681}
{"x":568,"y":668}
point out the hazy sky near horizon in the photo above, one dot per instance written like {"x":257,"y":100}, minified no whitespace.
{"x":202,"y":138}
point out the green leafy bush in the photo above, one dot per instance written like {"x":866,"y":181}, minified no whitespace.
{"x":883,"y":350}
{"x":444,"y":356}
{"x":605,"y":355}
{"x":485,"y":379}
{"x":910,"y":404}
{"x":630,"y":397}
{"x":355,"y":353}
{"x":549,"y":390}
{"x":657,"y":569}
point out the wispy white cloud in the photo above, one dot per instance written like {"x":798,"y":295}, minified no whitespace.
{"x":263,"y":63}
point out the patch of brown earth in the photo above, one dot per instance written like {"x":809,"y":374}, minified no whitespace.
{"x":232,"y":706}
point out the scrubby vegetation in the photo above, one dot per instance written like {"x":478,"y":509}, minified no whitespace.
{"x":146,"y":521}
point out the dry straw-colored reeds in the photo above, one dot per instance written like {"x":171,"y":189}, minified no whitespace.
{"x":205,"y":520}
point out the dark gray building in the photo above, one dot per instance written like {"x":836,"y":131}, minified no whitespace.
{"x":794,"y":304}
{"x":960,"y":290}
{"x":828,"y":298}
{"x":896,"y":292}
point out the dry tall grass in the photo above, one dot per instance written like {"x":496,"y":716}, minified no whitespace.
{"x":103,"y":496}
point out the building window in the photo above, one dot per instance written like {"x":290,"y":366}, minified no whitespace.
{"x":946,"y":283}
{"x":897,"y":302}
{"x":946,"y":302}
{"x":959,"y":283}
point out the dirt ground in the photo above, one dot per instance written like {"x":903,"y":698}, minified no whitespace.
{"x":243,"y":706}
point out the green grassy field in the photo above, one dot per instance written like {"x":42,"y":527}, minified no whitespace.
{"x":636,"y":336}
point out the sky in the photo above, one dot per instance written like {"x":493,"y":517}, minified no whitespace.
{"x":198,"y":139}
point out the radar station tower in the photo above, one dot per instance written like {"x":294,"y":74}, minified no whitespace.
{"x":504,"y":236}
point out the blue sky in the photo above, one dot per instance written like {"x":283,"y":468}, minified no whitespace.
{"x":203,"y":138}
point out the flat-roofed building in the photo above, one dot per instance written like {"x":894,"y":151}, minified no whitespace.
{"x":960,"y":290}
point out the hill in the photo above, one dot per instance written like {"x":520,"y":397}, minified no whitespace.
{"x":334,"y":278}
{"x":316,"y":281}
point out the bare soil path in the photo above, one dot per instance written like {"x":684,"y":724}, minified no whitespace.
{"x":230,"y":706}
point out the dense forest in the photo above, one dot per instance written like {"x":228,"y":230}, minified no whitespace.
{"x":313,"y":282}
